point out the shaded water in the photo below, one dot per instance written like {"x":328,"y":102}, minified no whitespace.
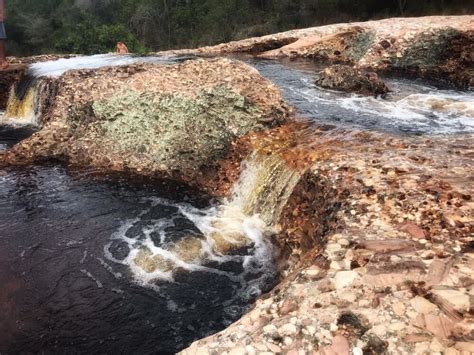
{"x":107,"y":266}
{"x":66,"y":288}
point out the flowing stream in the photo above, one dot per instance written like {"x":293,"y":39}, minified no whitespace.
{"x":96,"y":265}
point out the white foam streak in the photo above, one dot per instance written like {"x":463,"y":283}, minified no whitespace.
{"x":58,"y":67}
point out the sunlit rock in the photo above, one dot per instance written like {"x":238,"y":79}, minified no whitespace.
{"x":171,"y":120}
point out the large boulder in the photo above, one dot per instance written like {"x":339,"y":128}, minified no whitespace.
{"x":348,"y":79}
{"x":433,"y":47}
{"x":172,"y":120}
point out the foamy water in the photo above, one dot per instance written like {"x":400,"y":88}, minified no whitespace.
{"x":58,"y":67}
{"x":412,"y":107}
{"x":71,"y":243}
{"x":156,"y":248}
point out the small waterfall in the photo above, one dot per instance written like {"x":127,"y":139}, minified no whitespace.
{"x":26,"y":101}
{"x":235,"y":231}
{"x":26,"y":98}
{"x":265,"y":186}
{"x":22,"y":109}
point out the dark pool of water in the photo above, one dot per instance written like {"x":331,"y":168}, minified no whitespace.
{"x":59,"y":292}
{"x":10,"y":135}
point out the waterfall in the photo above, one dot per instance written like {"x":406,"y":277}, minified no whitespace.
{"x":27,"y":101}
{"x":265,"y":186}
{"x":22,"y":106}
{"x":26,"y":97}
{"x":236,"y":230}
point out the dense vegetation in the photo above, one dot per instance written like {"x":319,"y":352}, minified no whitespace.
{"x":94,"y":26}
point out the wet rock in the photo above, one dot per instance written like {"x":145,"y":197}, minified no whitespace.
{"x":348,"y":79}
{"x":150,"y":263}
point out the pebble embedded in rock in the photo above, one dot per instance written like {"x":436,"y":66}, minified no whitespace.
{"x":344,"y":279}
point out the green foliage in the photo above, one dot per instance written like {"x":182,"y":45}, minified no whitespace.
{"x":94,"y":26}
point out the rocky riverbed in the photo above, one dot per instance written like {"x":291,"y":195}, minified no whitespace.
{"x":395,"y":272}
{"x":438,"y":47}
{"x":375,"y":228}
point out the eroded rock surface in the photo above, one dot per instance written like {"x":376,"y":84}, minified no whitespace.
{"x":379,"y":235}
{"x":173,"y":120}
{"x":348,"y":79}
{"x":438,"y":47}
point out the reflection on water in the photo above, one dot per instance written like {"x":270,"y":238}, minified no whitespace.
{"x":66,"y":293}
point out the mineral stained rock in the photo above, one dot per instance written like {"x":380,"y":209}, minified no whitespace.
{"x":348,"y":79}
{"x":379,"y":235}
{"x":171,"y":120}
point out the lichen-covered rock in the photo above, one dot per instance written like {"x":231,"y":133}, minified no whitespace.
{"x":348,"y":79}
{"x":172,"y":120}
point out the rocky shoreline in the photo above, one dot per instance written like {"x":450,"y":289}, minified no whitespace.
{"x":389,"y":268}
{"x":438,"y":47}
{"x":377,"y":234}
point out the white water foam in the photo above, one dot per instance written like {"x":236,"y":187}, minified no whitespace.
{"x":58,"y":67}
{"x":225,"y":220}
{"x":412,"y":106}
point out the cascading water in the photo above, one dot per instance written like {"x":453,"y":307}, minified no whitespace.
{"x":22,"y":109}
{"x":413,"y":107}
{"x":235,"y":231}
{"x":113,"y":267}
{"x":24,"y":104}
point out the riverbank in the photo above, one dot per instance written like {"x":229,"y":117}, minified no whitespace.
{"x":374,"y":212}
{"x":389,"y":268}
{"x":437,"y":47}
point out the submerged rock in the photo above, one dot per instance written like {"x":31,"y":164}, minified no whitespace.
{"x":172,"y":120}
{"x":348,"y":79}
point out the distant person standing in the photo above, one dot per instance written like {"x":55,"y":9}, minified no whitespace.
{"x":120,"y":48}
{"x":3,"y":37}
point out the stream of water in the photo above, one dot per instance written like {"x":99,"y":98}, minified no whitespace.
{"x":105,"y":266}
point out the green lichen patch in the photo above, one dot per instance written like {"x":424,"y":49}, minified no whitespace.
{"x":426,"y":49}
{"x":176,"y":132}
